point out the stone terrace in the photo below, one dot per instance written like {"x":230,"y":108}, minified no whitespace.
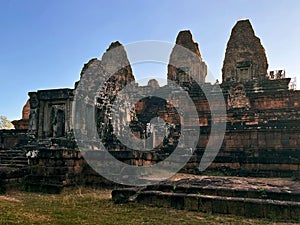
{"x":250,"y":197}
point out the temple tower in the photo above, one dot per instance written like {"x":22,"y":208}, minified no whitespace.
{"x":245,"y":57}
{"x":186,"y":61}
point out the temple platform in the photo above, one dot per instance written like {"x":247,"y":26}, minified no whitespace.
{"x":273,"y":198}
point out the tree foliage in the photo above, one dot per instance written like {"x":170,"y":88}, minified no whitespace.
{"x":5,"y":123}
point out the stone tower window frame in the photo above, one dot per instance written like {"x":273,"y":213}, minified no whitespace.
{"x":244,"y":71}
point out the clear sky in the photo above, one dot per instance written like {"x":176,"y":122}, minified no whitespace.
{"x":44,"y":44}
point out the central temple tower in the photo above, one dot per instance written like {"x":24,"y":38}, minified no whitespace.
{"x":245,"y":57}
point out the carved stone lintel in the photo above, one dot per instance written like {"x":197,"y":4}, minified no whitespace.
{"x":237,"y":97}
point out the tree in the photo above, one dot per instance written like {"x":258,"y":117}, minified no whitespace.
{"x":5,"y":123}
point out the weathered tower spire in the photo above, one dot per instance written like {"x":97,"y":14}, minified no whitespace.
{"x":186,"y":61}
{"x":245,"y":57}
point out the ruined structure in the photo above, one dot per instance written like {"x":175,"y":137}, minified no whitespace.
{"x":245,"y":57}
{"x":22,"y":124}
{"x":261,"y":139}
{"x":50,"y":113}
{"x":263,"y":115}
{"x":186,"y":61}
{"x":13,"y":137}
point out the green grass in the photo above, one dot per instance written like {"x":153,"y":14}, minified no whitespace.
{"x":92,"y":206}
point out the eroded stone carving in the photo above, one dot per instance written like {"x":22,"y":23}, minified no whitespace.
{"x":33,"y":117}
{"x":58,"y":120}
{"x":237,"y":97}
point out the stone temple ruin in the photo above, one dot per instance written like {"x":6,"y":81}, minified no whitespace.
{"x":262,"y":123}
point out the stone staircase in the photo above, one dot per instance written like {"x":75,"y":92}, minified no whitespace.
{"x":13,"y":167}
{"x":249,"y":197}
{"x":13,"y":158}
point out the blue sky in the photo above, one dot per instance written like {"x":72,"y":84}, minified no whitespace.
{"x":44,"y":44}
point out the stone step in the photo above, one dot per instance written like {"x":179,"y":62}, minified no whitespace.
{"x":11,"y":155}
{"x":50,"y":179}
{"x":261,"y":193}
{"x":12,"y":151}
{"x":44,"y":188}
{"x":14,"y":165}
{"x":12,"y":177}
{"x":7,"y":172}
{"x":47,"y":184}
{"x":248,"y":207}
{"x":13,"y":158}
{"x":13,"y":168}
{"x":250,"y":197}
{"x":18,"y":157}
{"x":29,"y":147}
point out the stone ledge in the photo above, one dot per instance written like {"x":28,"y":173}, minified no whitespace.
{"x":248,"y":207}
{"x":249,"y":197}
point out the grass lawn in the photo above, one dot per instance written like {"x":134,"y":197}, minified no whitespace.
{"x":93,"y":206}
